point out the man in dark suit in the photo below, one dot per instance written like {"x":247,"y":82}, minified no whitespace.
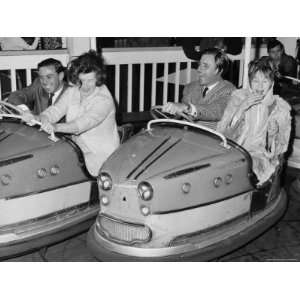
{"x":206,"y":98}
{"x":285,"y":65}
{"x":45,"y":90}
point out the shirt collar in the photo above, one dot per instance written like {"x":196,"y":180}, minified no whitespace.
{"x":210,"y":87}
{"x":56,"y":94}
{"x":58,"y":91}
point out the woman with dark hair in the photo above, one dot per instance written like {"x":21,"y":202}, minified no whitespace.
{"x":89,"y":109}
{"x":258,"y":120}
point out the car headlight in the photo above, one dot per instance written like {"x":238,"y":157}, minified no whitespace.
{"x":104,"y":200}
{"x":145,"y":190}
{"x":105,"y":181}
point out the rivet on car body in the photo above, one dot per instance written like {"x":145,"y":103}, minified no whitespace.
{"x":228,"y":178}
{"x":6,"y":179}
{"x":217,"y":182}
{"x":41,"y":173}
{"x":186,"y":188}
{"x":54,"y":170}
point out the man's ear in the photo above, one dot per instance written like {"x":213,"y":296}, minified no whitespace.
{"x":218,"y":72}
{"x":61,"y":76}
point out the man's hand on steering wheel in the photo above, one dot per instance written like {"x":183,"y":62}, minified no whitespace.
{"x":174,"y":108}
{"x":171,"y":111}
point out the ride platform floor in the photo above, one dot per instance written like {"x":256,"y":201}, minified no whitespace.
{"x":280,"y":243}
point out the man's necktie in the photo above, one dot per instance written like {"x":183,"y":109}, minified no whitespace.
{"x":50,"y":99}
{"x":204,"y":92}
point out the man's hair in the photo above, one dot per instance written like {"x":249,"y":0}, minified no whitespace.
{"x":263,"y":65}
{"x":221,"y":58}
{"x":274,"y":43}
{"x":52,"y":62}
{"x":86,"y":63}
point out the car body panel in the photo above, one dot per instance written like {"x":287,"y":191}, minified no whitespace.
{"x":39,"y":181}
{"x":203,"y":246}
{"x":199,"y":187}
{"x":197,"y":160}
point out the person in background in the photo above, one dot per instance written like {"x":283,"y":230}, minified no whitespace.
{"x":258,"y":120}
{"x":206,"y":98}
{"x":194,"y":46}
{"x":89,"y":109}
{"x":284,"y":65}
{"x":45,"y":90}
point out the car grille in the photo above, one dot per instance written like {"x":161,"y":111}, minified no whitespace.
{"x":122,"y":232}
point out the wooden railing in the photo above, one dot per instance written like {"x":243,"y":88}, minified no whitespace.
{"x":12,"y":62}
{"x":137,"y":77}
{"x":150,"y":69}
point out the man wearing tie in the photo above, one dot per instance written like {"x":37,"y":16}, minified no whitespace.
{"x":206,"y":98}
{"x":45,"y":90}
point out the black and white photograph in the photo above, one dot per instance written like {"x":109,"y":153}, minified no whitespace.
{"x":109,"y":145}
{"x":149,"y":147}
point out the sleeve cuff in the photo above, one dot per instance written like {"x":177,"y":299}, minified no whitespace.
{"x":193,"y":110}
{"x":23,"y":107}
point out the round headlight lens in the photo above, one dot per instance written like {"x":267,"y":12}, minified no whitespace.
{"x":105,"y":181}
{"x":145,"y":190}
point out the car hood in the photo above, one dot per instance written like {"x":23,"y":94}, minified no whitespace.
{"x":17,"y":139}
{"x":162,"y":150}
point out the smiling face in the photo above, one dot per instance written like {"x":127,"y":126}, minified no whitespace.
{"x":207,"y":70}
{"x":260,"y":83}
{"x":51,"y":81}
{"x":87,"y":82}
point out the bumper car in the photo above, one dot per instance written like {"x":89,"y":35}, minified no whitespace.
{"x":47,"y":195}
{"x":180,"y":191}
{"x":293,"y":162}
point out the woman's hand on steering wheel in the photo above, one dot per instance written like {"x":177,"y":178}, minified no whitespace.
{"x":28,"y":118}
{"x":48,"y":127}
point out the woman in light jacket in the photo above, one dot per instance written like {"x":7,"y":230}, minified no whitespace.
{"x":258,"y":120}
{"x":89,"y":109}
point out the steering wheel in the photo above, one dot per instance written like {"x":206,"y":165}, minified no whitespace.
{"x":157,"y":113}
{"x":8,"y":110}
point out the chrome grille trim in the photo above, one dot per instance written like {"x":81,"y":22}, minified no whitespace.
{"x":122,"y":232}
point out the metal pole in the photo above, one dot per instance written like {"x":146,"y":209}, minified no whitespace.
{"x":93,"y":44}
{"x":247,"y":54}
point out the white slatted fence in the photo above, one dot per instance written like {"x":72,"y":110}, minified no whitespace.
{"x":11,"y":61}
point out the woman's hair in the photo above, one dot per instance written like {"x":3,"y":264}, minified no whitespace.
{"x":263,"y":65}
{"x":86,"y":63}
{"x":221,"y":59}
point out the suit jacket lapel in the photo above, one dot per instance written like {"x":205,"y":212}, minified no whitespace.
{"x":214,"y":92}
